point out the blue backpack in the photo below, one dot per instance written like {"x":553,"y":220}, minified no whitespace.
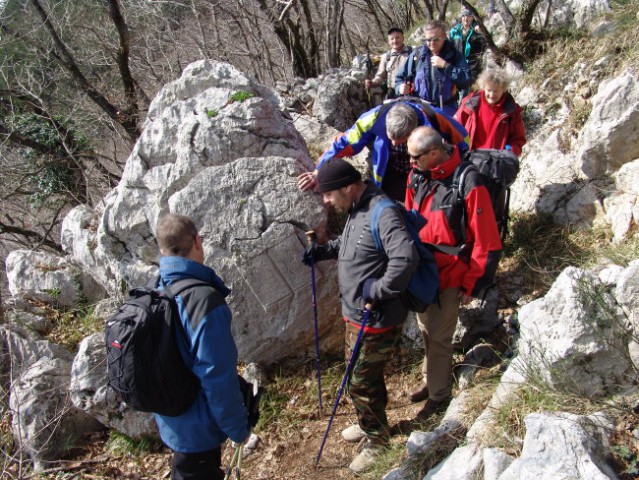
{"x":424,"y":284}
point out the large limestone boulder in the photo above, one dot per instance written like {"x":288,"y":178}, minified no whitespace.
{"x":575,"y":12}
{"x":626,"y":292}
{"x":580,"y":337}
{"x":216,"y":146}
{"x":319,"y":136}
{"x":622,"y":206}
{"x":557,"y":445}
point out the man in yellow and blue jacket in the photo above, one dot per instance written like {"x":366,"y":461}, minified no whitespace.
{"x":387,"y":128}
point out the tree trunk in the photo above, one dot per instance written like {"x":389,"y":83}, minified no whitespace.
{"x":334,"y":20}
{"x":524,"y":19}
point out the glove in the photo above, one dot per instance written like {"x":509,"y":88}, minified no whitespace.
{"x":316,"y":252}
{"x":366,"y":289}
{"x":251,"y":400}
{"x":307,"y":256}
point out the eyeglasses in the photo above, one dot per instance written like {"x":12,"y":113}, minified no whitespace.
{"x":415,"y":157}
{"x":434,"y":39}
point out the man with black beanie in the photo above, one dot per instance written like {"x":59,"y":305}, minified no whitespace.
{"x":367,"y":275}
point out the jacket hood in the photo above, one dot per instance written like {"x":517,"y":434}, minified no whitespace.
{"x":173,"y":269}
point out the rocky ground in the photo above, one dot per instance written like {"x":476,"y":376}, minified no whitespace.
{"x":289,"y":440}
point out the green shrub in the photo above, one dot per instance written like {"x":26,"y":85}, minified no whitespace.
{"x":241,"y":95}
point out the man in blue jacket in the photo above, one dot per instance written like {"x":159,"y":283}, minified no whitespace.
{"x":208,"y":348}
{"x":436,"y":71}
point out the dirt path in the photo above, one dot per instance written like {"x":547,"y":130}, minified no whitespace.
{"x":293,"y":456}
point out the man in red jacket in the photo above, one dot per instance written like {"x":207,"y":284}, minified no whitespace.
{"x":431,"y":192}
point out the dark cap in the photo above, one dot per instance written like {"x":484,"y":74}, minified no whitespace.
{"x":335,"y":174}
{"x":395,"y":29}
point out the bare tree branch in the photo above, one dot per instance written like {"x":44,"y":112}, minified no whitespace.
{"x":122,"y":118}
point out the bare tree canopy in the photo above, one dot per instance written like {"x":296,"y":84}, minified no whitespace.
{"x":77,"y":78}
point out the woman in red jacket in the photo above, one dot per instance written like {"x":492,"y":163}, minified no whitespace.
{"x":491,"y":116}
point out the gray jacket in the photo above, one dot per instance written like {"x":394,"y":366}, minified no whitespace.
{"x":358,"y":260}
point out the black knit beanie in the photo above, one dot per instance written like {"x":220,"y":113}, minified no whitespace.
{"x":335,"y":174}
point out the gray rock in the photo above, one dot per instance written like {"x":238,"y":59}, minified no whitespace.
{"x":563,"y":446}
{"x":49,"y":278}
{"x":571,"y":337}
{"x":89,"y":393}
{"x":420,"y":442}
{"x":464,"y":463}
{"x":495,"y":462}
{"x":627,"y":295}
{"x":44,"y":422}
{"x":26,"y":316}
{"x":615,"y":111}
{"x":603,"y":29}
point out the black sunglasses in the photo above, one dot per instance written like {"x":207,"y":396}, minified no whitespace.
{"x":415,"y":157}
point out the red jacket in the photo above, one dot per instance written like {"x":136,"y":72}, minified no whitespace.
{"x":508,"y":130}
{"x":431,"y":194}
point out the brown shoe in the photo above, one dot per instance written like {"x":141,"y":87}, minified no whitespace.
{"x":432,"y":407}
{"x":419,"y":394}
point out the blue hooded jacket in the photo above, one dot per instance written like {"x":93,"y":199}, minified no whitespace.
{"x":209,"y":349}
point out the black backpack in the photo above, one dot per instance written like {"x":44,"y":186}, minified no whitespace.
{"x":498,"y":170}
{"x":144,"y":365}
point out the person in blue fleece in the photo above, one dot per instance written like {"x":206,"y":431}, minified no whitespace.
{"x":208,"y":348}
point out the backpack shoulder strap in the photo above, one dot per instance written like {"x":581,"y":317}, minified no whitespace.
{"x":459,"y":178}
{"x":181,"y":285}
{"x":457,"y":185}
{"x":430,"y":114}
{"x":374,"y":221}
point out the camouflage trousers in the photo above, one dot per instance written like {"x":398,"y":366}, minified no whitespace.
{"x":366,"y":387}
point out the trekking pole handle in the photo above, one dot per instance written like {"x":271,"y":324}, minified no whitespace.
{"x":312,"y":237}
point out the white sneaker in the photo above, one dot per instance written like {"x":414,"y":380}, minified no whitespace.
{"x":353,"y":434}
{"x":366,"y":459}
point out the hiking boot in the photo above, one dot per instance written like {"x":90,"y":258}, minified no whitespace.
{"x":419,"y":394}
{"x":366,"y":458}
{"x":353,"y":434}
{"x":431,"y":407}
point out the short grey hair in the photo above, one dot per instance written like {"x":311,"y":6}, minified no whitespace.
{"x":401,"y":120}
{"x":496,"y":76}
{"x":437,"y":24}
{"x":426,"y":138}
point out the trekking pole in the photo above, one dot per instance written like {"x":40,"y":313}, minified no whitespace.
{"x":312,"y":240}
{"x":236,"y":463}
{"x":251,"y":400}
{"x":441,"y":96}
{"x":347,"y":373}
